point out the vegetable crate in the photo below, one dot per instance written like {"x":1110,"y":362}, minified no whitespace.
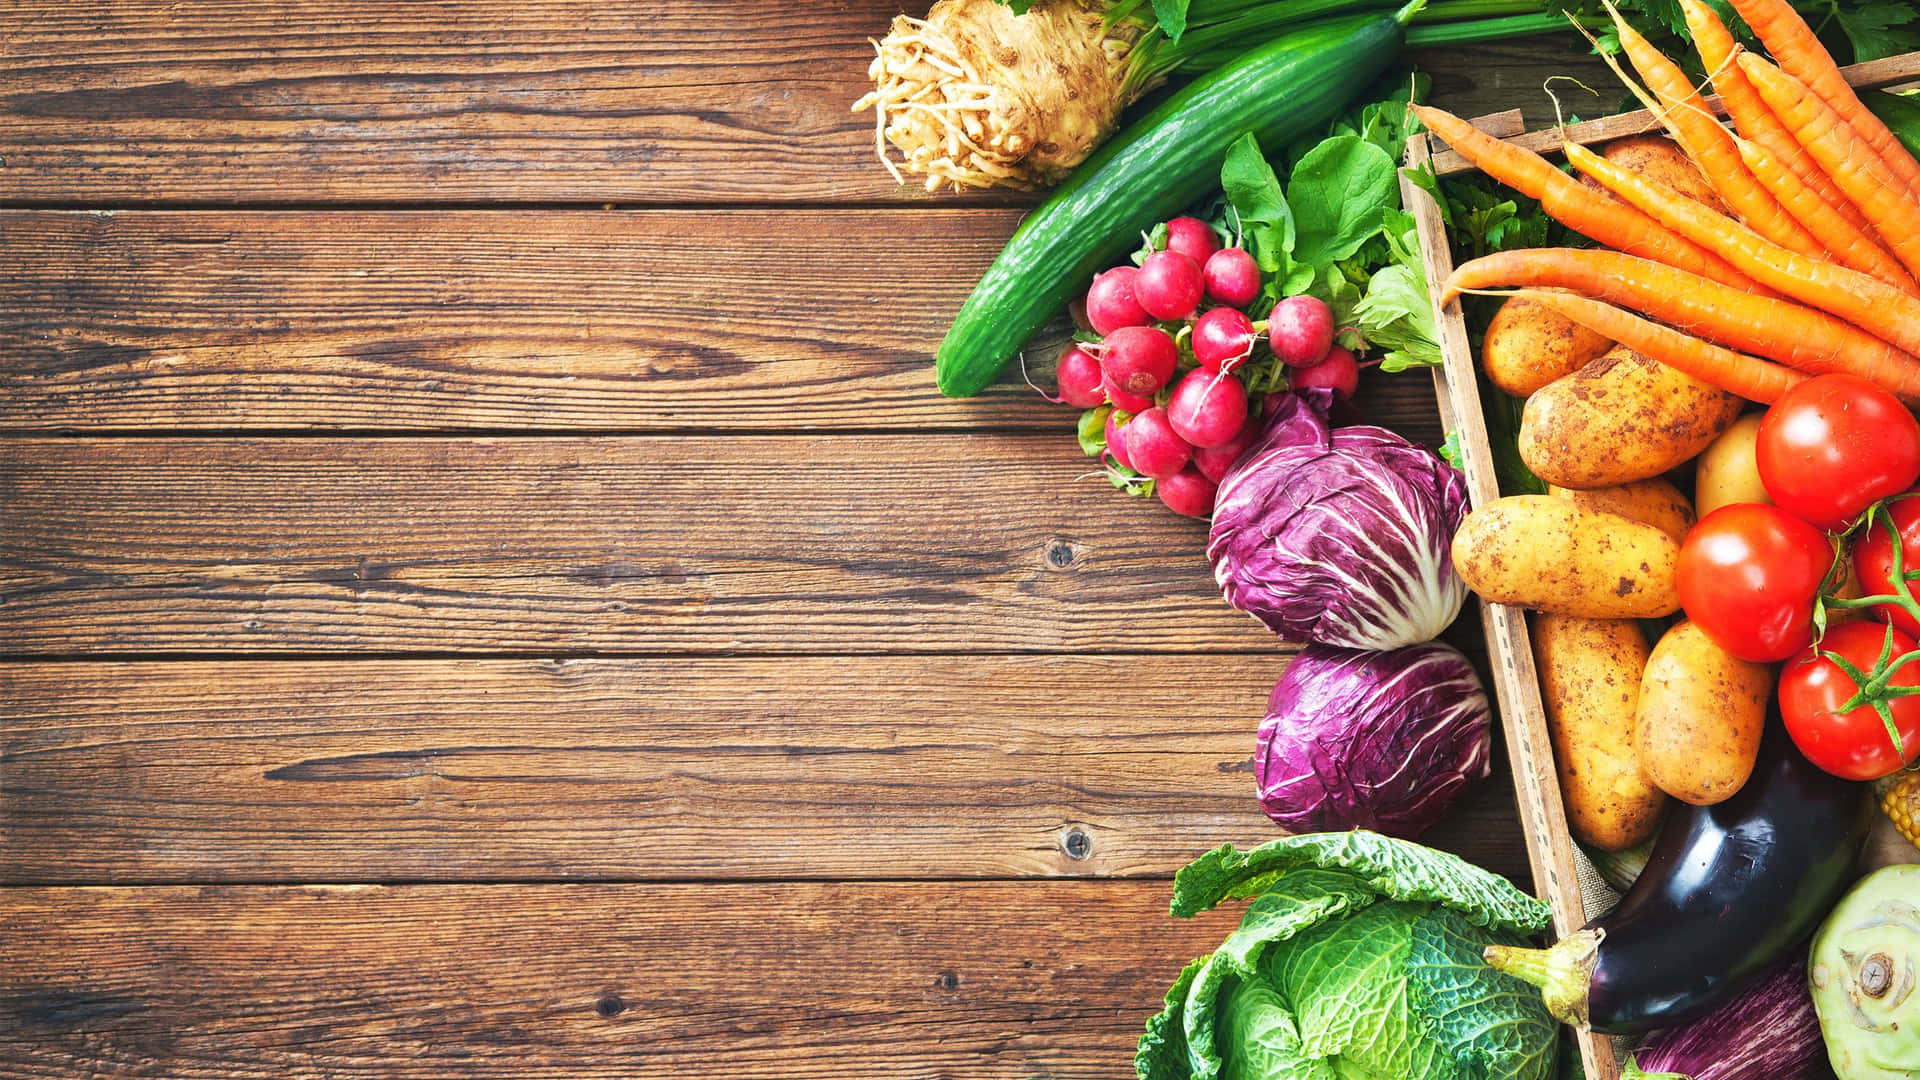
{"x":1562,"y":875}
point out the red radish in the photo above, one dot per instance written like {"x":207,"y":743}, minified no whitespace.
{"x":1170,"y":285}
{"x":1193,"y":238}
{"x":1214,"y":461}
{"x":1153,"y":447}
{"x":1125,"y":402}
{"x":1300,"y":330}
{"x":1232,"y":277}
{"x":1116,"y":442}
{"x":1078,"y":376}
{"x":1186,"y":492}
{"x":1208,"y":409}
{"x":1110,"y":301}
{"x":1339,"y":372}
{"x":1222,"y":339}
{"x":1138,"y":359}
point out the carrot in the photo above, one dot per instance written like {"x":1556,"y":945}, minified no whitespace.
{"x":1850,"y":245}
{"x":1792,"y":42}
{"x":1590,"y":213}
{"x":1842,"y":155}
{"x":1750,"y":115}
{"x":1868,"y":303}
{"x":1679,"y":106}
{"x":1736,"y":373}
{"x":1777,"y":329}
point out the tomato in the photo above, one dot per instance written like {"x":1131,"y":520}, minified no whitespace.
{"x":1873,"y":560}
{"x":1853,"y":744}
{"x":1748,"y":574}
{"x":1833,"y":446}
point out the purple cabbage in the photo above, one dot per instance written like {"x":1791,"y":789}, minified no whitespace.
{"x":1372,"y":740}
{"x":1769,"y":1032}
{"x":1339,"y":536}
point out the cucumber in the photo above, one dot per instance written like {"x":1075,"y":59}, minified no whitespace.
{"x":1160,"y":165}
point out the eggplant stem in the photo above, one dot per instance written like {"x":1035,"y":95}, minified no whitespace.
{"x":1562,"y":971}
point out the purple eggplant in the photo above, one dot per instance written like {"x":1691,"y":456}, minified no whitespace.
{"x":1768,"y":1032}
{"x":1727,"y":891}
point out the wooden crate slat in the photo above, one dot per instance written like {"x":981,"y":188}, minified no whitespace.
{"x":814,"y":982}
{"x":535,"y":321}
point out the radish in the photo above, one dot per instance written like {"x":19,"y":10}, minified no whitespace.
{"x":1170,"y":285}
{"x":1232,"y":277}
{"x":1153,"y":447}
{"x":1300,"y":330}
{"x":1116,"y":442}
{"x":1208,"y":409}
{"x":1339,"y":372}
{"x":1125,"y":402}
{"x":1078,"y":376}
{"x":1214,"y":461}
{"x":1186,"y":492}
{"x":1138,"y":359}
{"x":1193,"y":238}
{"x":1222,"y":339}
{"x":1110,"y":301}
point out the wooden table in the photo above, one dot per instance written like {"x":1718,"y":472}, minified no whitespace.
{"x":488,"y":587}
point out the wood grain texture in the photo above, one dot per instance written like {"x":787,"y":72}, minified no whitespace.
{"x":221,"y":102}
{"x":858,"y":768}
{"x":983,"y":543}
{"x":812,"y":982}
{"x":523,"y":321}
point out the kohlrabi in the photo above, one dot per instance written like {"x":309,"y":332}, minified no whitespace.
{"x":1864,"y":968}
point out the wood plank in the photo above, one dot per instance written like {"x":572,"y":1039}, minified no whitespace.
{"x":535,"y":321}
{"x":655,"y":545}
{"x":815,"y":982}
{"x":217,"y":102}
{"x":861,"y":768}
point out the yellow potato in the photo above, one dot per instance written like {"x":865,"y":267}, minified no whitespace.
{"x":1652,"y":502}
{"x":1528,"y":346}
{"x":1621,"y":418}
{"x":1590,"y":672}
{"x":1661,"y":160}
{"x":1697,"y":729}
{"x":1548,"y":554}
{"x":1725,"y":473}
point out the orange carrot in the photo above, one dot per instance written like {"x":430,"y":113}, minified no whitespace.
{"x":1849,"y":245}
{"x":1680,"y":107}
{"x":1842,"y":155}
{"x":1868,"y":303}
{"x":1792,"y":42}
{"x":1777,"y":329}
{"x":1736,"y":373}
{"x":1590,"y":213}
{"x":1718,"y":51}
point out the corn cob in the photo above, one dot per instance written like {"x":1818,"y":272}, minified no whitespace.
{"x":1900,"y":798}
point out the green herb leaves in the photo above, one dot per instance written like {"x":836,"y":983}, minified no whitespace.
{"x":1339,"y":192}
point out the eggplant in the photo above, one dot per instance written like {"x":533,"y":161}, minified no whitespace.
{"x":1766,"y":1032}
{"x":1728,"y":889}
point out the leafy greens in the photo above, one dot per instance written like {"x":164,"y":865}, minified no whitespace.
{"x":1358,"y":958}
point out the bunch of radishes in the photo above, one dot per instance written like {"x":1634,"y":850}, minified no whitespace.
{"x":1171,"y":355}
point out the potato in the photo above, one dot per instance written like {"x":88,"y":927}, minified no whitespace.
{"x":1528,"y":346}
{"x":1652,"y":502}
{"x":1726,"y":472}
{"x":1697,"y":729}
{"x":1549,"y":554}
{"x":1661,"y":160}
{"x":1621,"y":418}
{"x":1590,"y":674}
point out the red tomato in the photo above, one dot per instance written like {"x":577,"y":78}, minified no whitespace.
{"x":1748,"y":574}
{"x":1873,"y":560}
{"x":1833,"y":446}
{"x":1853,"y":744}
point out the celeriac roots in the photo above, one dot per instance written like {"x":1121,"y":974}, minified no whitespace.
{"x":976,"y":96}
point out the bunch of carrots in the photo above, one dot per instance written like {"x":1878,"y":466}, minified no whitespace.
{"x":1812,"y":270}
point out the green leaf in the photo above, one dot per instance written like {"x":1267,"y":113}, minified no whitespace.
{"x":1900,"y":113}
{"x":1347,"y":980}
{"x":1265,"y":1039}
{"x":1870,"y":28}
{"x":1398,"y":869}
{"x":1252,"y":189}
{"x":1162,"y":1053}
{"x":1172,"y":16}
{"x":1450,"y":450}
{"x":1093,"y":430}
{"x":1497,"y":1023}
{"x":1397,"y":314}
{"x":1338,"y":193}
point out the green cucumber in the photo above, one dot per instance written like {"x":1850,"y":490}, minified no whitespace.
{"x":1162,"y":164}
